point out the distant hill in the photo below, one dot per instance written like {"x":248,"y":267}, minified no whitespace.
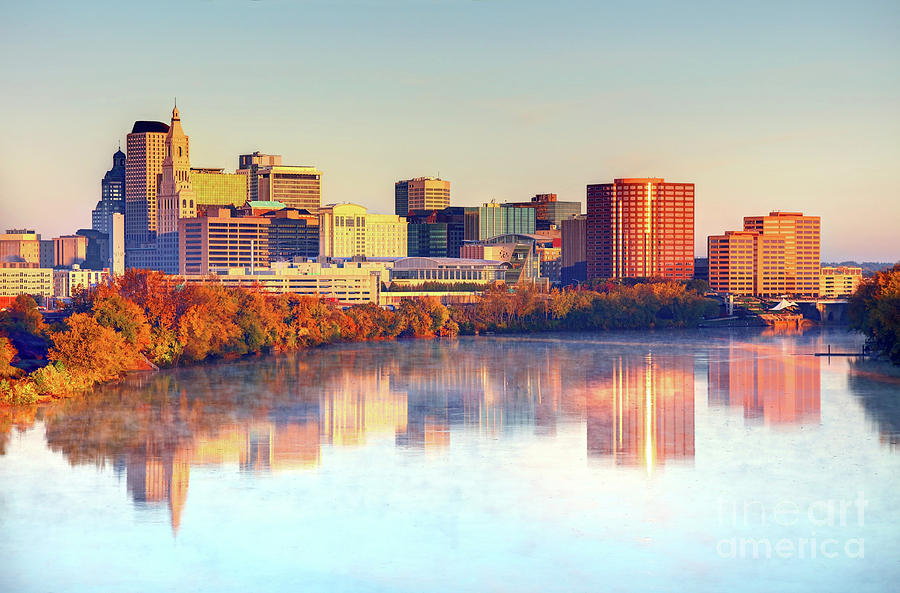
{"x":868,"y":267}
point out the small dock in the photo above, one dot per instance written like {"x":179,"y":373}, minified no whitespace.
{"x":830,"y":353}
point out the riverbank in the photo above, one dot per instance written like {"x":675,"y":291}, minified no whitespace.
{"x":152,"y":317}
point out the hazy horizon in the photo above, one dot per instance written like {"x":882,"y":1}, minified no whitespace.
{"x":763,"y":107}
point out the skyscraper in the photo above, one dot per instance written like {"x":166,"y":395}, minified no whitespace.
{"x":421,"y":193}
{"x":176,"y":195}
{"x":640,"y":228}
{"x":146,"y":146}
{"x":112,"y":194}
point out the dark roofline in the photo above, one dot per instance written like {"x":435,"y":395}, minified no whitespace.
{"x":142,"y":127}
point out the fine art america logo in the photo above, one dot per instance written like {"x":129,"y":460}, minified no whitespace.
{"x":810,"y":527}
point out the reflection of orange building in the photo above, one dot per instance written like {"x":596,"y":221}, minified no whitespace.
{"x":768,"y":383}
{"x":642,"y":413}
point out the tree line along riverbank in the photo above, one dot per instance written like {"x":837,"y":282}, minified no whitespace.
{"x":147,"y":318}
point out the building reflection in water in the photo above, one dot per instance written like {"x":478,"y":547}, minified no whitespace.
{"x":641,"y":410}
{"x":771,"y":385}
{"x":280,"y":413}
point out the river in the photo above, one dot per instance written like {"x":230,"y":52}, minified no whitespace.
{"x":666,"y":461}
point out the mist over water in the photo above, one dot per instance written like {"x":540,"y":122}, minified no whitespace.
{"x":670,"y":461}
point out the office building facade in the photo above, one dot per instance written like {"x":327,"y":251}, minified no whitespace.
{"x":640,"y":228}
{"x":838,"y":282}
{"x":348,"y":230}
{"x":774,"y":256}
{"x":292,"y":233}
{"x":421,"y":193}
{"x":146,"y":150}
{"x":220,"y":240}
{"x":112,"y":194}
{"x":573,"y":257}
{"x":214,"y":187}
{"x":493,"y":219}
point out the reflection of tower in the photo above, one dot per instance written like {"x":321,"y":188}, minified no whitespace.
{"x":154,"y":475}
{"x":643,"y":411}
{"x":768,"y":383}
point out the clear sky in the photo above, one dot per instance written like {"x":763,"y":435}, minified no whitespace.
{"x":764,"y":105}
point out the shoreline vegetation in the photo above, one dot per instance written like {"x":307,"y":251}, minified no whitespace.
{"x":874,"y":310}
{"x":145,"y":319}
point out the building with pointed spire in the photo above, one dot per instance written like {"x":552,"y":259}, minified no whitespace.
{"x":112,"y":194}
{"x":175,"y":198}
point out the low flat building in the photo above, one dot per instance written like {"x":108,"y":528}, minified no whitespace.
{"x":347,"y":283}
{"x":66,"y":282}
{"x":37,"y":282}
{"x":838,"y":282}
{"x":447,"y":270}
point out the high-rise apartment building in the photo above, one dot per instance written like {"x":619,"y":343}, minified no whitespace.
{"x":421,"y":193}
{"x":112,"y":194}
{"x":268,"y":180}
{"x":640,"y":228}
{"x":214,"y":187}
{"x":347,"y":230}
{"x":146,"y":147}
{"x":775,"y":255}
{"x":175,"y":198}
{"x":220,"y":240}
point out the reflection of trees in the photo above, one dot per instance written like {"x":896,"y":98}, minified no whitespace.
{"x":877,"y":386}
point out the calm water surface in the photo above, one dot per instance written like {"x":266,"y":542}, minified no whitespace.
{"x":680,"y":461}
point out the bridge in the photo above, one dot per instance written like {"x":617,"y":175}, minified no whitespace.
{"x":826,"y":312}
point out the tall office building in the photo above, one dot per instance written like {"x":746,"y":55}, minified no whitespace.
{"x":421,"y":193}
{"x":176,"y":195}
{"x":146,"y":146}
{"x":493,"y":219}
{"x":112,"y":194}
{"x":348,"y":230}
{"x":573,"y":239}
{"x":214,"y":187}
{"x":802,"y":240}
{"x":640,"y":228}
{"x":248,"y":164}
{"x":774,"y":255}
{"x":268,"y":180}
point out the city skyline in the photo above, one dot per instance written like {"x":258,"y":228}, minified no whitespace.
{"x":504,"y":100}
